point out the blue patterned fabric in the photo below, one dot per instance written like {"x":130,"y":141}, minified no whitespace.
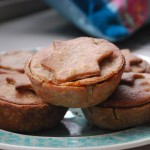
{"x":103,"y":17}
{"x":114,"y":20}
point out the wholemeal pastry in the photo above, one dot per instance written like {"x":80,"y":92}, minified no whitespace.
{"x":21,"y":110}
{"x":134,"y":63}
{"x":127,"y":107}
{"x":81,"y":72}
{"x":14,"y":61}
{"x":6,"y":71}
{"x":18,"y":99}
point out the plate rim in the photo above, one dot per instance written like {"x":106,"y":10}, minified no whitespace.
{"x":131,"y":144}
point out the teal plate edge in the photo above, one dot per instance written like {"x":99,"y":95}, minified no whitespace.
{"x":122,"y":137}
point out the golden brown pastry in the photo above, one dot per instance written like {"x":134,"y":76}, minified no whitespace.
{"x":76,"y":73}
{"x":21,"y":110}
{"x":134,"y":63}
{"x":127,"y":107}
{"x":14,"y":61}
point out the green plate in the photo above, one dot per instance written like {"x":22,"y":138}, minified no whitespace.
{"x":74,"y":132}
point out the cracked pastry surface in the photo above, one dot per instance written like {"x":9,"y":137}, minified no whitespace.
{"x":128,"y":106}
{"x":74,"y":70}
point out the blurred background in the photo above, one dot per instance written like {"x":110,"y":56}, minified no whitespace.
{"x":26,"y":24}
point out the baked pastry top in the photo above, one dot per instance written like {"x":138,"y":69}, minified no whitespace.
{"x":17,"y":89}
{"x":21,"y":110}
{"x":14,"y":61}
{"x":78,"y":62}
{"x":133,"y":91}
{"x":134,"y":63}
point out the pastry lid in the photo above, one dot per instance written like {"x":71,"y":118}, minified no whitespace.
{"x":133,"y":91}
{"x":77,"y":62}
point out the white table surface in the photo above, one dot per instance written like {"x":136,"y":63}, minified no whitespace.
{"x":40,"y":29}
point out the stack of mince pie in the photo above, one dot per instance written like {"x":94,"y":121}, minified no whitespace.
{"x":111,"y":86}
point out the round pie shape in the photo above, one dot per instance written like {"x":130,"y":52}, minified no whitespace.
{"x":127,"y":107}
{"x":21,"y":110}
{"x":77,"y":73}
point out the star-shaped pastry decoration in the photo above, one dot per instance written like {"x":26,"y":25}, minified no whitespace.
{"x":20,"y":81}
{"x":129,"y":78}
{"x":76,"y":59}
{"x":130,"y":59}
